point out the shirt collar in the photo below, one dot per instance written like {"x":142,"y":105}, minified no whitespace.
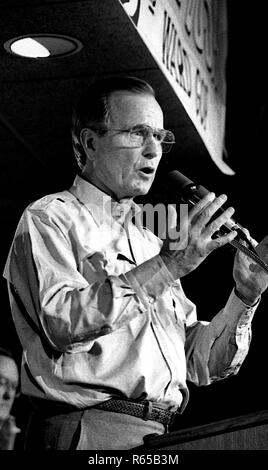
{"x":100,"y":204}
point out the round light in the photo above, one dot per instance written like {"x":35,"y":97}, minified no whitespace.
{"x":43,"y":46}
{"x":29,"y":47}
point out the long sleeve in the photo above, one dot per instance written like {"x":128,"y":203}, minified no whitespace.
{"x":76,"y":300}
{"x":217,"y":349}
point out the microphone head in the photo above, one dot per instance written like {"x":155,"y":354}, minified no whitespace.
{"x":183,"y":187}
{"x":179,"y":180}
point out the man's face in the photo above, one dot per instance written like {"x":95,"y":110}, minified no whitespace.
{"x":9,"y":379}
{"x":118,"y":169}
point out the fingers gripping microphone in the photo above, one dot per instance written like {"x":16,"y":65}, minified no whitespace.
{"x":191,"y":193}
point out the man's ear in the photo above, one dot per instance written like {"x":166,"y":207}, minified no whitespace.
{"x":88,"y":141}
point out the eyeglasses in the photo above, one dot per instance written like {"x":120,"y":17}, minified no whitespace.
{"x":7,"y":384}
{"x":137,"y":136}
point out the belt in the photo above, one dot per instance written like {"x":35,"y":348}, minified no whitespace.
{"x":145,"y":410}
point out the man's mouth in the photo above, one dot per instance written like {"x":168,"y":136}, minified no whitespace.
{"x":147,"y":170}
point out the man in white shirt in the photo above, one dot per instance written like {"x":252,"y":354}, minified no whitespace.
{"x":109,"y":337}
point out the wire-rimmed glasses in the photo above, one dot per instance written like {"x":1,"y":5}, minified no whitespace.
{"x":137,"y":136}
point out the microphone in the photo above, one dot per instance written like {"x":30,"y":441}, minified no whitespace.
{"x":191,"y":193}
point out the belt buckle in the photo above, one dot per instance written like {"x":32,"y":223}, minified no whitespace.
{"x":170,"y":421}
{"x":147,"y":414}
{"x":148,"y":408}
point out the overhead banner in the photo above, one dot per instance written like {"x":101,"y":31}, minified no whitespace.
{"x":188,"y":39}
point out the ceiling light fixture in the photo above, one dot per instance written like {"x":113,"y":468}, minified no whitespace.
{"x":48,"y":46}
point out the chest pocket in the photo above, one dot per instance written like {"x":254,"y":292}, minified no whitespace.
{"x":118,"y":263}
{"x":100,"y":265}
{"x":93,"y":267}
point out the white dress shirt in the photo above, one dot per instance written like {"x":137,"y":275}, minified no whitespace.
{"x":99,"y":314}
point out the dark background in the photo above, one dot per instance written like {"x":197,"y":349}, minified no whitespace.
{"x":36,"y":155}
{"x":246,"y":144}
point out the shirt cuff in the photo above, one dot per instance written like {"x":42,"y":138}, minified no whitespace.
{"x":150,"y":279}
{"x":237,"y":311}
{"x":240,"y":297}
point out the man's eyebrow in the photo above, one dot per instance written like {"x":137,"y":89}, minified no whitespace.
{"x":143,"y":125}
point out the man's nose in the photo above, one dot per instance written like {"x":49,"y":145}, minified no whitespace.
{"x":152,"y":148}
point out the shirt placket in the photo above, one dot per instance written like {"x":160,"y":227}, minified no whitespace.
{"x":140,"y":255}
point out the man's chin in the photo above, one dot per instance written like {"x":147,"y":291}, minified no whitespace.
{"x":141,"y":191}
{"x":135,"y":188}
{"x":142,"y":188}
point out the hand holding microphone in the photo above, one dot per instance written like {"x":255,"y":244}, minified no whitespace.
{"x":189,"y":192}
{"x":251,"y":279}
{"x":201,"y":229}
{"x":210,"y":226}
